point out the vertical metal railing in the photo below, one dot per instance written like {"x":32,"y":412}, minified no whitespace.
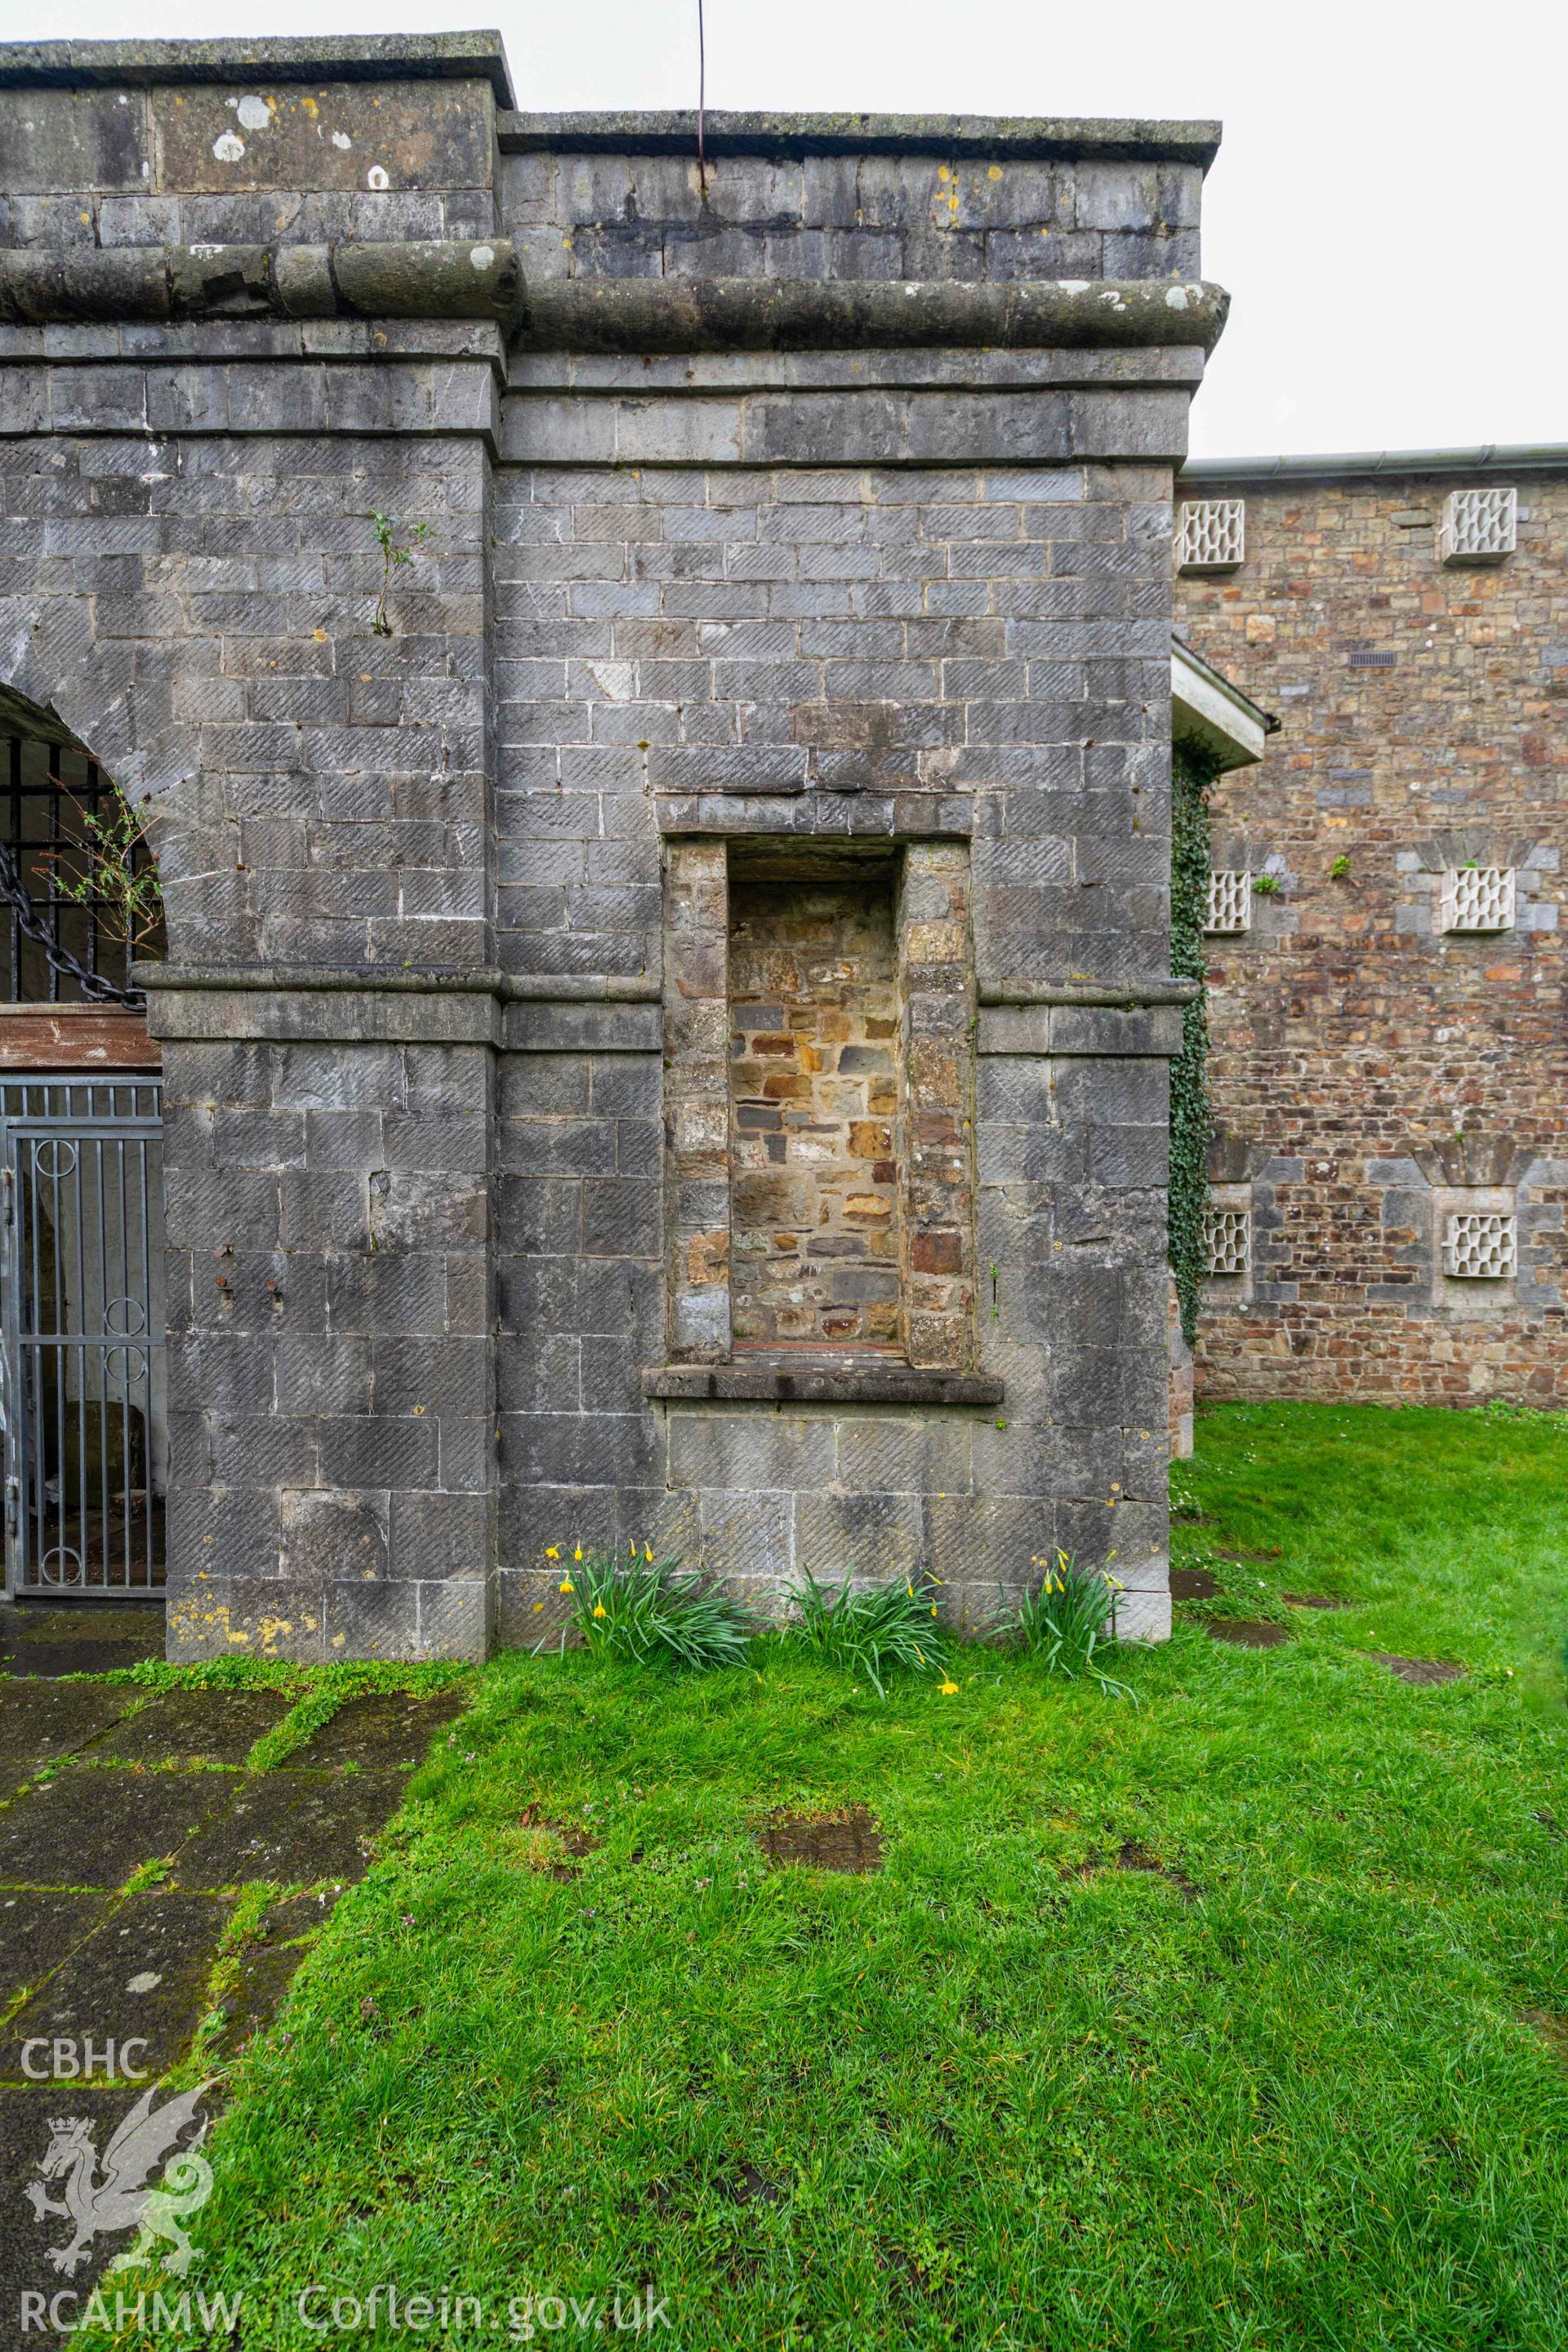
{"x":81,"y":1322}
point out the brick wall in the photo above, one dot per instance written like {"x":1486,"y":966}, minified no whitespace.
{"x":1367,"y":1067}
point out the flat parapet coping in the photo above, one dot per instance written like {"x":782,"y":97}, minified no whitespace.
{"x":318,"y":56}
{"x":1044,"y":138}
{"x":827,"y":1380}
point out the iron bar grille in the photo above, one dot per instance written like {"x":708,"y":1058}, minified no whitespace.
{"x":47,"y":789}
{"x":81,"y":1309}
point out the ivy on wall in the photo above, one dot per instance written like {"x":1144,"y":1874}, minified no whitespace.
{"x":1190,"y":776}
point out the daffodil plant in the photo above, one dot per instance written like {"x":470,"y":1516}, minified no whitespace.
{"x":631,"y":1605}
{"x":1067,"y":1620}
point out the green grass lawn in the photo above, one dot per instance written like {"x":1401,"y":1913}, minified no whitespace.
{"x":1282,"y":2091}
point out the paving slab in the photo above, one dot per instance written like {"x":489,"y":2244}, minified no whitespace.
{"x":26,"y":2133}
{"x":1193,"y":1584}
{"x":297,"y":1916}
{"x":81,"y":1657}
{"x":256,"y":1995}
{"x":38,"y":1721}
{"x":36,"y":1931}
{"x":294,"y":1827}
{"x":141,"y":1976}
{"x":193,"y":1727}
{"x":90,"y":1828}
{"x":1424,"y":1672}
{"x":1248,"y":1633}
{"x":383,"y":1730}
{"x":850,"y":1839}
{"x":115,"y":1621}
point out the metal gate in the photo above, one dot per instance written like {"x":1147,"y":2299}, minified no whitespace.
{"x":81,"y":1304}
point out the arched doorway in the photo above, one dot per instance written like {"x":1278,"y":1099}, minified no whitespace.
{"x":82,"y":1412}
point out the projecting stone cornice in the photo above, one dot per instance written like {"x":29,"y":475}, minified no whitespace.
{"x":761,"y":314}
{"x":467,"y":278}
{"x":481,"y":279}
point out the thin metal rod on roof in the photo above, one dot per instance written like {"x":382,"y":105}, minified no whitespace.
{"x":701,"y":100}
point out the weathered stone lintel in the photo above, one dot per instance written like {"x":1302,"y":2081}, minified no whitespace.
{"x":836,"y":1382}
{"x":1115,"y":1030}
{"x":796,"y":810}
{"x":1157,"y":989}
{"x":434,"y":279}
{"x":781,"y":314}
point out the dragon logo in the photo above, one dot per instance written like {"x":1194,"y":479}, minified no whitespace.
{"x":126,"y":2192}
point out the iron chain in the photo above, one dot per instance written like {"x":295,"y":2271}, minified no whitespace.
{"x":93,"y":986}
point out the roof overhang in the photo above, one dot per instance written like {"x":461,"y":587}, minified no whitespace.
{"x":1216,"y":717}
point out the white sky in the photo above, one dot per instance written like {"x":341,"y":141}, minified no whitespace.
{"x":1385,"y":209}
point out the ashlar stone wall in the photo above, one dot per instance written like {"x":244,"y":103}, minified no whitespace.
{"x":724,"y":571}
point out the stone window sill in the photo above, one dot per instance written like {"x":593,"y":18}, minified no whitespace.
{"x":828,"y":1380}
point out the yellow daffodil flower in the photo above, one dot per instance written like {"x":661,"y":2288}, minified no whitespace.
{"x":600,"y":1610}
{"x":552,"y":1551}
{"x":947,"y":1690}
{"x":566,"y":1585}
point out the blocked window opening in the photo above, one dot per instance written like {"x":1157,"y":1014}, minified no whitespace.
{"x":1211,"y":535}
{"x":1478,"y":526}
{"x":1477,"y":898}
{"x":816,"y":1083}
{"x":1481,"y":1245}
{"x":1230,"y":902}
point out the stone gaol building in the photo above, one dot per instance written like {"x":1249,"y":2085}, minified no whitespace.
{"x":1388,"y":1054}
{"x":647,"y":680}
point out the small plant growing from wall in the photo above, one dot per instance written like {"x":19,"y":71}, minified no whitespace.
{"x":394,"y":553}
{"x":1338,"y":868}
{"x":112,"y":870}
{"x":1267,"y":885}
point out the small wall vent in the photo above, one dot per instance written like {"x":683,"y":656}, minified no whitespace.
{"x":1478,"y":526}
{"x":1211,"y":535}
